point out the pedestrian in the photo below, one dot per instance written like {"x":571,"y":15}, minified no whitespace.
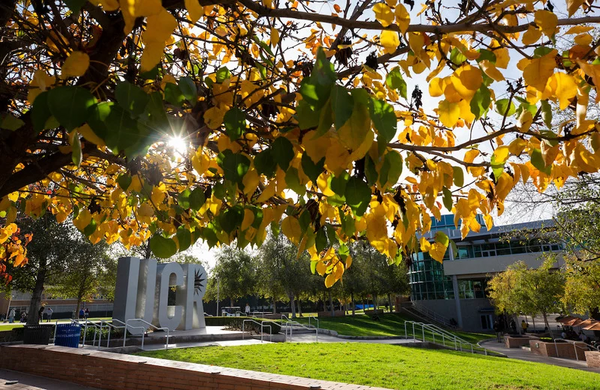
{"x":498,"y":330}
{"x":524,"y":326}
{"x":81,"y":313}
{"x":41,"y":313}
{"x":24,"y":316}
{"x":49,"y":312}
{"x":11,"y":316}
{"x":87,"y":313}
{"x":247,"y":310}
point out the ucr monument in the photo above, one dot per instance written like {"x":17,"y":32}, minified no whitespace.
{"x":165,"y":295}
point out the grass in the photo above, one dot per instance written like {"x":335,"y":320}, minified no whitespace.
{"x":390,"y":324}
{"x":388,"y":366}
{"x":6,"y":326}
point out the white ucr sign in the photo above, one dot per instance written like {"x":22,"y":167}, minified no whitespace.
{"x":142,"y":292}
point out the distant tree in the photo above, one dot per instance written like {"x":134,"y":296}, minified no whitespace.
{"x":528,"y":290}
{"x":582,"y":286}
{"x":235,"y":273}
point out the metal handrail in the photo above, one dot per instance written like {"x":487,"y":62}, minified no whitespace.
{"x":86,"y":322}
{"x":102,"y":322}
{"x":314,"y":318}
{"x":289,"y":324}
{"x":144,"y":333}
{"x":445,"y":335}
{"x":132,"y":327}
{"x":262,"y":325}
{"x":575,"y":346}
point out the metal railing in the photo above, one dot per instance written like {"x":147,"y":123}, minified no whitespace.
{"x":163,"y":328}
{"x":575,"y":346}
{"x":85,"y":326}
{"x":262,"y":326}
{"x":433,"y":316}
{"x":110,"y":325}
{"x":289,"y":325}
{"x":444,"y":337}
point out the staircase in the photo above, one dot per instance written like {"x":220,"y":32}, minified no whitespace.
{"x":429,"y":316}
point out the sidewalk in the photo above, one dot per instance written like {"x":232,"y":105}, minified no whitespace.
{"x":32,"y":382}
{"x":520,"y":354}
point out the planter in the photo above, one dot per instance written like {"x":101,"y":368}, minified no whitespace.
{"x":593,"y":359}
{"x":517,"y":341}
{"x":36,"y":334}
{"x":568,"y":350}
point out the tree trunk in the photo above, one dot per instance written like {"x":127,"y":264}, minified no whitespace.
{"x":274,"y":306}
{"x":33,"y":317}
{"x":292,"y":304}
{"x":299,"y":308}
{"x":331,"y":304}
{"x":390,"y":302}
{"x":545,"y":319}
{"x":353,"y":304}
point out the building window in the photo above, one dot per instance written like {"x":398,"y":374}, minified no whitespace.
{"x":487,"y":321}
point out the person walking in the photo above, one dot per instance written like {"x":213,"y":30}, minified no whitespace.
{"x":49,"y":312}
{"x":41,"y":313}
{"x":11,"y":316}
{"x":498,"y":330}
{"x":247,"y":310}
{"x":524,"y":326}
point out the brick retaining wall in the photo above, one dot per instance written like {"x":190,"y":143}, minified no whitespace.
{"x":593,"y":359}
{"x":110,"y":371}
{"x":565,"y":349}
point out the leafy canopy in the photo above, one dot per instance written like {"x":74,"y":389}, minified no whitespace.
{"x":343,"y":126}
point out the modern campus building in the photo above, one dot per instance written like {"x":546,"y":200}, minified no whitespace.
{"x":456,"y":289}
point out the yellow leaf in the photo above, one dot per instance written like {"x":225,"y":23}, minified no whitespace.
{"x":195,"y":10}
{"x":383,"y":14}
{"x":501,"y":154}
{"x":465,"y":111}
{"x":436,"y":87}
{"x":470,"y":156}
{"x":449,"y":113}
{"x":274,"y":37}
{"x":389,"y":40}
{"x":547,"y":21}
{"x":213,"y":117}
{"x":83,"y":219}
{"x":248,"y":219}
{"x":461,"y":90}
{"x":565,"y":90}
{"x":525,"y":121}
{"x":516,"y":147}
{"x":267,"y":193}
{"x":402,"y":18}
{"x":578,"y":29}
{"x":501,"y":53}
{"x":250,"y":181}
{"x":330,"y":280}
{"x":504,"y":185}
{"x":470,"y":77}
{"x":291,"y":228}
{"x":158,"y":29}
{"x":539,"y":70}
{"x":87,"y":133}
{"x":583,"y":39}
{"x":76,"y":65}
{"x":416,"y":42}
{"x":491,"y":70}
{"x":532,"y":35}
{"x":573,"y":6}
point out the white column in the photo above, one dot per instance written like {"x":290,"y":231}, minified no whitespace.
{"x":457,"y":301}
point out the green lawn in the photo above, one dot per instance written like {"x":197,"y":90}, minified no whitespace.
{"x":389,"y":366}
{"x":390,"y":324}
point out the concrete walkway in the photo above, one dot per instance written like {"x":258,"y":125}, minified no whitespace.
{"x":14,"y":380}
{"x":521,"y":354}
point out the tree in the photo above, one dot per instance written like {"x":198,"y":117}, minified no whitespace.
{"x":171,"y":121}
{"x":283,"y":269}
{"x":236,"y":274}
{"x":59,"y":256}
{"x":528,"y":290}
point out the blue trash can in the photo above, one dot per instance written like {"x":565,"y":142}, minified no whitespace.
{"x":67,"y":335}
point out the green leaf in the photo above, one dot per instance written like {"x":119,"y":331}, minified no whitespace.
{"x":120,"y":132}
{"x":480,"y":103}
{"x":223,"y":74}
{"x":124,"y":181}
{"x":486,"y":55}
{"x":197,"y":198}
{"x":537,"y":160}
{"x":358,"y":196}
{"x":321,"y":240}
{"x":316,"y":89}
{"x":235,"y":166}
{"x":370,"y":170}
{"x":547,"y":113}
{"x":75,"y":5}
{"x":76,"y":155}
{"x":40,"y":112}
{"x":504,"y":109}
{"x":338,"y":183}
{"x":183,"y":199}
{"x":497,"y":167}
{"x":311,"y":169}
{"x":325,"y":120}
{"x":232,"y":218}
{"x":457,"y":57}
{"x":542,"y":51}
{"x":90,"y":228}
{"x":189,"y":89}
{"x":235,"y":123}
{"x":283,"y":152}
{"x":341,"y":104}
{"x":395,"y":81}
{"x":162,"y":247}
{"x":69,"y":105}
{"x":304,"y":220}
{"x":174,"y":95}
{"x":348,"y":224}
{"x":293,"y":181}
{"x":323,"y":69}
{"x":184,"y":238}
{"x":307,"y":117}
{"x":447,"y":198}
{"x":9,"y":122}
{"x":391,"y":168}
{"x":442,"y":238}
{"x":132,"y":98}
{"x":264,"y":163}
{"x":459,"y":176}
{"x":384,"y":120}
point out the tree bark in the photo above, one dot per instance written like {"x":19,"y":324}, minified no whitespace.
{"x":299,"y":308}
{"x":33,"y":317}
{"x":331,"y":304}
{"x":353,"y":304}
{"x":390,"y":301}
{"x":274,"y":306}
{"x":292,"y":304}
